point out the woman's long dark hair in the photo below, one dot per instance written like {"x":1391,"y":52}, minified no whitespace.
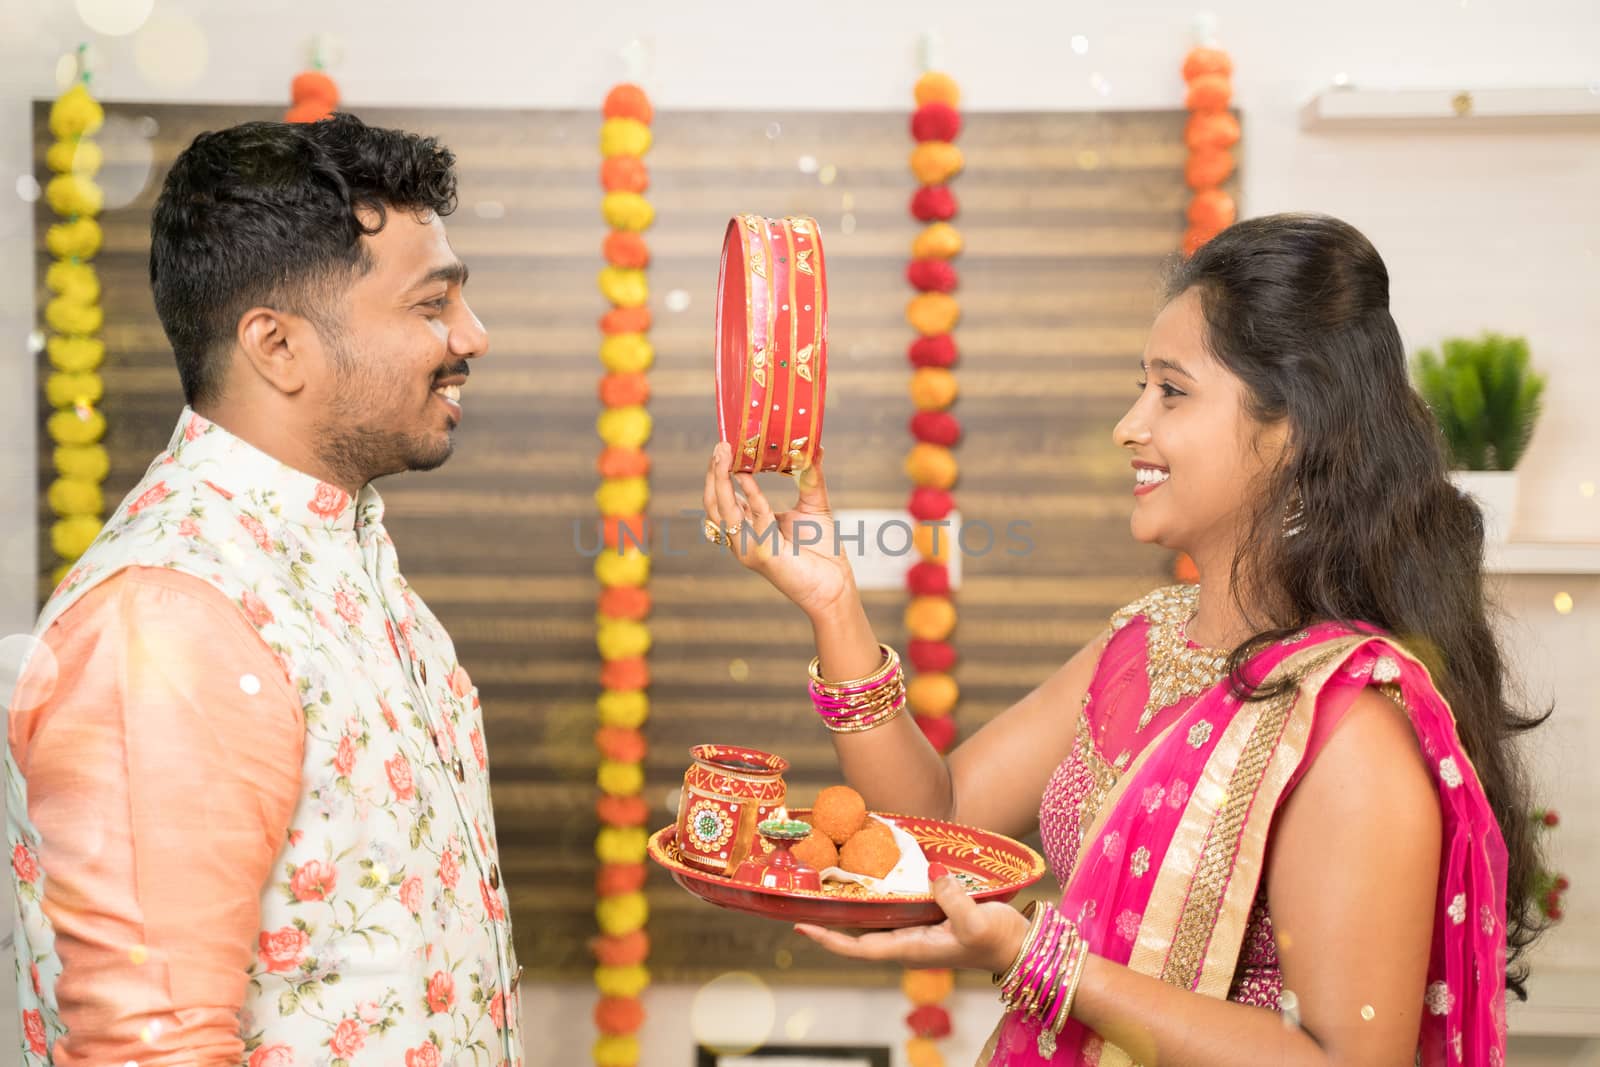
{"x":1297,"y":307}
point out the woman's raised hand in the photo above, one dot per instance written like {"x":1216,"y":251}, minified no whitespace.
{"x":798,"y":551}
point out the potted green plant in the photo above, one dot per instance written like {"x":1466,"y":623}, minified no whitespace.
{"x":1486,"y":397}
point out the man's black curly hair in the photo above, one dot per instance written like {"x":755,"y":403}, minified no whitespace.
{"x":270,"y":214}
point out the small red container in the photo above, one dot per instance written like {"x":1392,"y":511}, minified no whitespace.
{"x":772,"y":342}
{"x":773,"y":865}
{"x":727,"y":791}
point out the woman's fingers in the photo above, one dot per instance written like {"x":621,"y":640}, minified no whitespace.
{"x":966,"y":920}
{"x":951,"y":896}
{"x":713,"y":515}
{"x":813,"y":487}
{"x":835,"y":942}
{"x":729,"y":514}
{"x":916,"y":945}
{"x":763,"y":523}
{"x":877,"y":946}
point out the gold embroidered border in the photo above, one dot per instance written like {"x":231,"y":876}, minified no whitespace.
{"x":1105,"y":780}
{"x":1207,"y":796}
{"x":1226,"y":935}
{"x":1119,"y":785}
{"x":1315,"y":666}
{"x":789,"y":402}
{"x":1213,"y":876}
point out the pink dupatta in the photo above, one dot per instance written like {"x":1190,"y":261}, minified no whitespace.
{"x":1167,"y":890}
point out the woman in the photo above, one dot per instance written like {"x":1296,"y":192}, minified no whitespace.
{"x":1282,"y":804}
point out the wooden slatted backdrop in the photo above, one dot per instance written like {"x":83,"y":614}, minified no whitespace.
{"x":1067,"y":219}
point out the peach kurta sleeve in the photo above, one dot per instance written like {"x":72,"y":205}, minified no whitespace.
{"x":163,"y":769}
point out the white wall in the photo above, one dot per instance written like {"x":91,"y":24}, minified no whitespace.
{"x":1479,"y":231}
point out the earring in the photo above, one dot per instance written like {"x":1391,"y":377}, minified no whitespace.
{"x":1294,"y":516}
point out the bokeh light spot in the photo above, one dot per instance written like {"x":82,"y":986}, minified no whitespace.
{"x":797,"y":1026}
{"x":171,"y":51}
{"x":114,"y":18}
{"x":733,"y":1013}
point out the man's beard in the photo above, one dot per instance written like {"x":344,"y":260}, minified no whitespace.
{"x":361,"y":453}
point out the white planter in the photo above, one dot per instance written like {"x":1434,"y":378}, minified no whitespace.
{"x":1496,"y":494}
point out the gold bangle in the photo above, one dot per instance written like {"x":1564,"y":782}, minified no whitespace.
{"x":1035,"y":992}
{"x":859,"y":726}
{"x":1072,"y":990}
{"x":883,"y":693}
{"x":1018,"y":990}
{"x":1069,"y":942}
{"x":873,"y":714}
{"x":877,"y":703}
{"x":1032,"y":913}
{"x":1049,"y":1036}
{"x":891,"y":660}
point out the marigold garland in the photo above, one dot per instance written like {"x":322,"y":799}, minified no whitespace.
{"x":930,"y":616}
{"x":313,"y":95}
{"x":73,"y":313}
{"x":1210,"y":134}
{"x":313,"y":98}
{"x":622,"y":633}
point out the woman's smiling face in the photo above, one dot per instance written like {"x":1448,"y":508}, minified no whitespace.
{"x":1199,"y":456}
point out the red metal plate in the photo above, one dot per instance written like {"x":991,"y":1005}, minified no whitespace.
{"x":992,"y":866}
{"x":772,"y":342}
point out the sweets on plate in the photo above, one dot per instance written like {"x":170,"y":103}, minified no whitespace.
{"x":839,"y":812}
{"x":817,"y":851}
{"x":871,"y":851}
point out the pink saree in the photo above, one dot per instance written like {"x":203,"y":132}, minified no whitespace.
{"x":1170,"y":845}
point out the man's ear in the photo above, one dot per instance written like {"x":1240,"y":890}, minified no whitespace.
{"x":278,"y":347}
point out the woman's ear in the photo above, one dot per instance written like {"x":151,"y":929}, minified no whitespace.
{"x":1274,"y":443}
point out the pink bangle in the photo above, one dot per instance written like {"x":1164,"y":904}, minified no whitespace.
{"x":858,"y":723}
{"x":854,"y":690}
{"x":862,"y":703}
{"x":842,"y":715}
{"x":1042,"y":951}
{"x":1059,"y":999}
{"x":821,"y":694}
{"x":837,"y":708}
{"x":1047,"y":931}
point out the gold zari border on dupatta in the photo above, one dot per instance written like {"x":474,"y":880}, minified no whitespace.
{"x":1105,"y":783}
{"x":1194,"y":924}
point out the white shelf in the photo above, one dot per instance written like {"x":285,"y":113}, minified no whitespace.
{"x":1350,"y":108}
{"x":1547,"y":557}
{"x":1561,"y":1002}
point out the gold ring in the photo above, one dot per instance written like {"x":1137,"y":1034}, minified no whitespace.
{"x":714,"y":533}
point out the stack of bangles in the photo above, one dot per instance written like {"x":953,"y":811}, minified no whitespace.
{"x":1043,"y":979}
{"x":863,"y":703}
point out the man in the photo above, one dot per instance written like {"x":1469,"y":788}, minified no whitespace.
{"x":250,"y":821}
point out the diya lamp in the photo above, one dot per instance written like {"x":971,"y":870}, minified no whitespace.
{"x":779,"y":868}
{"x":727,"y":792}
{"x":771,"y":343}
